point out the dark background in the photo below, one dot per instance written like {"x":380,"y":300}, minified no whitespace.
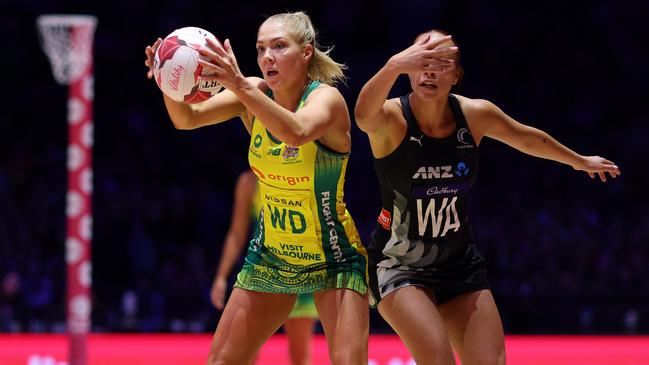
{"x":565,"y":254}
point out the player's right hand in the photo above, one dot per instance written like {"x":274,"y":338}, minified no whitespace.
{"x":217,"y":294}
{"x":150,"y":52}
{"x":426,"y":55}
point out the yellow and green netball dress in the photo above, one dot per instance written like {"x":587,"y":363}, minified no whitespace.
{"x":304,"y":304}
{"x":306,"y":240}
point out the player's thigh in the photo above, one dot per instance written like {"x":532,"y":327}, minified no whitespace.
{"x":344,"y":315}
{"x":248,"y":320}
{"x":475,"y":328}
{"x":412,"y":312}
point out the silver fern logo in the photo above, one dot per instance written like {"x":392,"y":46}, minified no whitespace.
{"x":463,"y":137}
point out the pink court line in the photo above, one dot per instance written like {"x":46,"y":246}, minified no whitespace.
{"x":186,"y":349}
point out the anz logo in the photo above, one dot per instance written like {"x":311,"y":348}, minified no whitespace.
{"x":441,"y":172}
{"x":430,"y":172}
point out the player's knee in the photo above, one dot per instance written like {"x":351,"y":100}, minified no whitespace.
{"x":488,"y":358}
{"x":347,"y":356}
{"x":219,"y":362}
{"x":214,"y":359}
{"x":211,"y":360}
{"x":437,"y":350}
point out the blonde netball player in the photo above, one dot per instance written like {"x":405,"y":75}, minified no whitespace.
{"x":300,"y":323}
{"x":306,"y":241}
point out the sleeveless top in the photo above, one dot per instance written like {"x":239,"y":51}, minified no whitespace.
{"x":424,"y":183}
{"x":303,"y":220}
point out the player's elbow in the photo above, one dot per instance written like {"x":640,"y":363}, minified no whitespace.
{"x":181,"y":126}
{"x":365,"y":124}
{"x":183,"y":123}
{"x":360,"y":115}
{"x":363,"y":119}
{"x":296,"y":139}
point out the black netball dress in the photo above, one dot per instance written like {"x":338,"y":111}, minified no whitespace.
{"x":423,"y":236}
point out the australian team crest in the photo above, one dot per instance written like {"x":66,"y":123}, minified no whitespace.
{"x":290,"y":152}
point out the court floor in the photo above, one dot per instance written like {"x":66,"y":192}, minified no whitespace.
{"x":187,"y":349}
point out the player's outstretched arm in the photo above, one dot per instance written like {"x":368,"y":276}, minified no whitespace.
{"x":489,"y":120}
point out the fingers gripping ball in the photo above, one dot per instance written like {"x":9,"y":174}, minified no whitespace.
{"x":176,"y":69}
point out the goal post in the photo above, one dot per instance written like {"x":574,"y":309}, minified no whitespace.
{"x":67,"y":40}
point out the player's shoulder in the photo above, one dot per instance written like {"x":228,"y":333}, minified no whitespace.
{"x":473,"y":103}
{"x":478,"y":107}
{"x":328,"y":93}
{"x":323,"y":88}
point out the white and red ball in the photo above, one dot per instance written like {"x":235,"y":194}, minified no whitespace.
{"x":176,"y":69}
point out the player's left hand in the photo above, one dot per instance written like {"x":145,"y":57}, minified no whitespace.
{"x":595,"y":165}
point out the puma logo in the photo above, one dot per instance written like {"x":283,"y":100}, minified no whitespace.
{"x":418,"y":140}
